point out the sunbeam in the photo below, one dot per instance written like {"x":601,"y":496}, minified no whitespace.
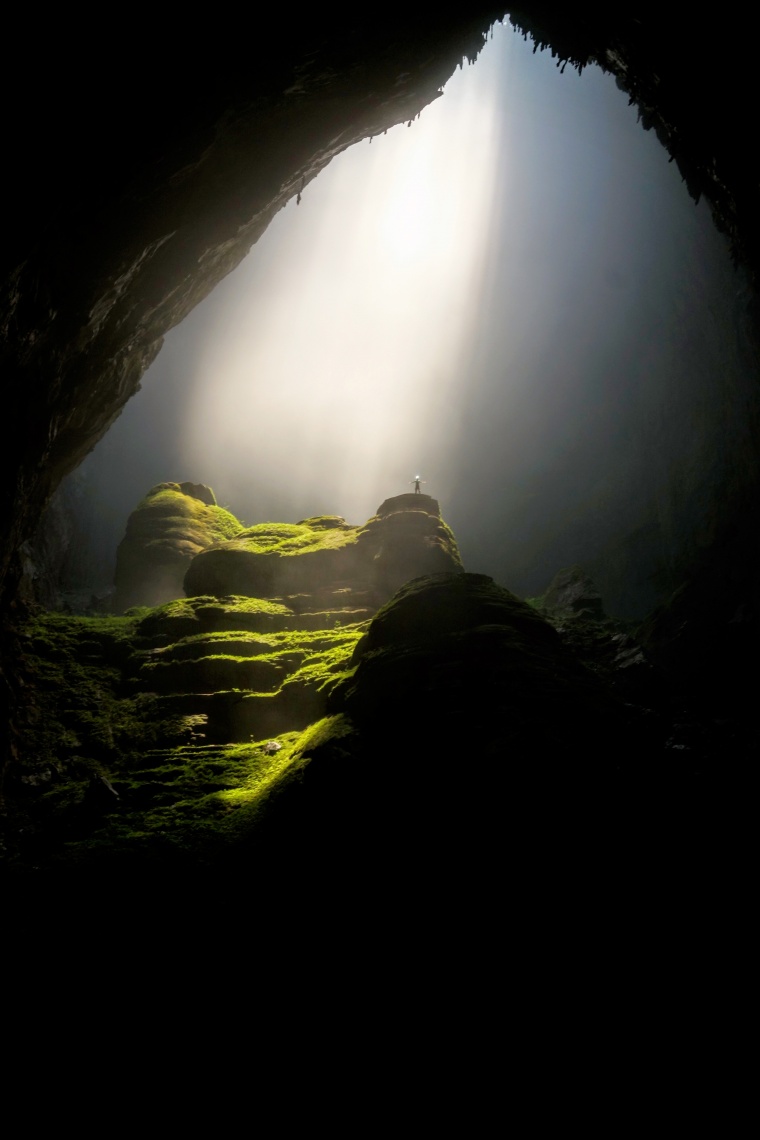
{"x":513,"y":296}
{"x":354,"y":320}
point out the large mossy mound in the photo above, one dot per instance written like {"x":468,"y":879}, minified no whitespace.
{"x":164,"y":533}
{"x":454,"y":663}
{"x":465,"y":724}
{"x":140,"y":722}
{"x":249,"y":666}
{"x":406,"y":537}
{"x":455,"y":724}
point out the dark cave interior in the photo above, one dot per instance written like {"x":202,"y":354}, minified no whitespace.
{"x":131,"y":202}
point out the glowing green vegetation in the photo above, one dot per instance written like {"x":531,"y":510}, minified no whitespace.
{"x":264,"y":775}
{"x":325,"y":533}
{"x":204,"y":802}
{"x":318,"y":556}
{"x":258,"y":662}
{"x":172,"y":515}
{"x":192,"y":615}
{"x":164,"y":533}
{"x":161,"y":734}
{"x":131,"y":739}
{"x":80,"y":725}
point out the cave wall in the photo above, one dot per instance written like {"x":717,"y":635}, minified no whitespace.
{"x":137,"y":188}
{"x":134,"y":196}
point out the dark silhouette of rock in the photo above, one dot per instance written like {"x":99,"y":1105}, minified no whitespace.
{"x":199,"y":491}
{"x":188,"y":170}
{"x":457,"y":658}
{"x":467,"y":730}
{"x":573,"y":592}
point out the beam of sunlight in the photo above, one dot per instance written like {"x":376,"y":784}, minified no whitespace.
{"x":331,"y":372}
{"x":514,"y":297}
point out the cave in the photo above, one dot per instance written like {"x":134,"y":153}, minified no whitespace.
{"x":168,"y":186}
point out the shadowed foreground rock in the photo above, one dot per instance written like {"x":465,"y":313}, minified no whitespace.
{"x":573,"y":592}
{"x":458,"y":702}
{"x":466,"y":718}
{"x":455,"y":662}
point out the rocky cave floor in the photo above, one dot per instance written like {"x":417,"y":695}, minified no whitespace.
{"x":172,"y":737}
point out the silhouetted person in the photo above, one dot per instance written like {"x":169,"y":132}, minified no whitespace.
{"x":416,"y":480}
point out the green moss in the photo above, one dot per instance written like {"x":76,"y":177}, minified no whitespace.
{"x":186,"y":616}
{"x":120,"y":743}
{"x":170,"y":502}
{"x":82,"y":731}
{"x":324,"y":670}
{"x":175,"y":517}
{"x":324,"y":533}
{"x":203,"y":801}
{"x":260,"y":662}
{"x":268,"y":772}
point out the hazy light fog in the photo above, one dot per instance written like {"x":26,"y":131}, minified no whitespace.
{"x":487,"y":297}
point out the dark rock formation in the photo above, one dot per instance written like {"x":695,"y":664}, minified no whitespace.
{"x":406,"y":538}
{"x":242,"y":668}
{"x":454,"y":732}
{"x":458,"y":659}
{"x":467,"y":734}
{"x":164,"y":533}
{"x":189,"y":169}
{"x":170,"y":714}
{"x":167,"y":189}
{"x":572,"y":592}
{"x":58,"y":571}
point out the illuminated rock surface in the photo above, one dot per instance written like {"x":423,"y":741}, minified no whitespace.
{"x":181,"y":703}
{"x":101,"y":265}
{"x":161,"y":737}
{"x":406,"y":537}
{"x":168,"y":528}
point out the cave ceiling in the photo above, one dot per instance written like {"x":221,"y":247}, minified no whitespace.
{"x":136,"y":189}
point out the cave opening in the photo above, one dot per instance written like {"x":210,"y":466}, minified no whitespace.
{"x":620,"y":460}
{"x":554,"y":373}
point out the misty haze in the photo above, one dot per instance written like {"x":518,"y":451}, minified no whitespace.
{"x":513,"y":296}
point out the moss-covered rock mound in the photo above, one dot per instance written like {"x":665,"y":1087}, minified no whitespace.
{"x":459,"y":660}
{"x":225,"y":736}
{"x":407,"y":537}
{"x":465,"y":727}
{"x":137,"y":724}
{"x":243,"y":668}
{"x":164,"y":533}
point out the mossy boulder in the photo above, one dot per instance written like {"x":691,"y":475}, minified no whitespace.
{"x":164,"y":533}
{"x":219,"y":733}
{"x":407,"y":537}
{"x":465,"y":729}
{"x":457,"y":660}
{"x":245,"y":667}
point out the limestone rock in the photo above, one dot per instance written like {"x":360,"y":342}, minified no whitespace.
{"x":406,"y":538}
{"x":573,"y":592}
{"x":455,"y":659}
{"x":199,"y":491}
{"x":408,"y":502}
{"x":167,"y":529}
{"x":467,"y":733}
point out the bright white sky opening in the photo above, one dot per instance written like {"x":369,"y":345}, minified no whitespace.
{"x":333,"y":361}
